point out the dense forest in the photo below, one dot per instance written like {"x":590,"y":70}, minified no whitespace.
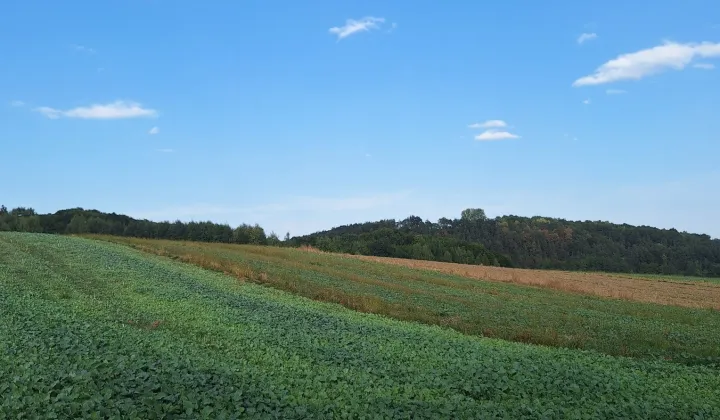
{"x":528,"y":242}
{"x":79,"y":220}
{"x":508,"y":241}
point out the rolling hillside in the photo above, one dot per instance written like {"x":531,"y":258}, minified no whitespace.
{"x":562,"y":312}
{"x":92,"y":328}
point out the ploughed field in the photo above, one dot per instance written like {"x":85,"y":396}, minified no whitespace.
{"x":95,"y":329}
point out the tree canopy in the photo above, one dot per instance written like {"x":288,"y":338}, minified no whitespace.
{"x":472,"y":215}
{"x":528,"y":242}
{"x":508,"y":241}
{"x":78,"y":220}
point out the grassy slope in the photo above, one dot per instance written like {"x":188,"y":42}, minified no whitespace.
{"x":90,"y":327}
{"x":687,"y":293}
{"x":507,"y":311}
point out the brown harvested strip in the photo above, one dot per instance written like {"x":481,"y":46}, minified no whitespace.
{"x":688,"y":294}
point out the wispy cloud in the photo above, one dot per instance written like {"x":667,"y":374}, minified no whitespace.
{"x":353,"y":26}
{"x":114,"y":110}
{"x":17,"y":104}
{"x":615,"y":91}
{"x":649,"y":204}
{"x":51,"y":113}
{"x":493,"y":131}
{"x":290,"y":204}
{"x":489,"y":124}
{"x":643,"y":63}
{"x":362,"y":202}
{"x":166,"y":150}
{"x":704,"y":66}
{"x":586,"y":37}
{"x":586,"y":102}
{"x":154,"y":130}
{"x":83,"y":49}
{"x":490,"y":135}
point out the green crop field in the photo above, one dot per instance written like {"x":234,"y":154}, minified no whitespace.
{"x":98,"y":330}
{"x":499,"y":310}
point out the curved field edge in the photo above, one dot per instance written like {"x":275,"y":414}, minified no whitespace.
{"x":91,"y":328}
{"x":492,"y":309}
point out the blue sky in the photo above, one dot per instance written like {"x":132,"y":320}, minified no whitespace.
{"x":306,"y":115}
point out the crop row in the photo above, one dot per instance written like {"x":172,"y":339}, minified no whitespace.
{"x":95,"y":329}
{"x":500,"y":310}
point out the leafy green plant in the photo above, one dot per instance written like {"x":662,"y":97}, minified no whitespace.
{"x":228,"y":349}
{"x":500,"y":310}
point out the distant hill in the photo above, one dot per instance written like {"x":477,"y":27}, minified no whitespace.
{"x":507,"y":241}
{"x":528,"y":242}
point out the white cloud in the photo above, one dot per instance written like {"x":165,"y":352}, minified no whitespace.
{"x":586,"y":101}
{"x":635,"y":66}
{"x":493,"y":131}
{"x":704,"y":66}
{"x":490,"y":135}
{"x":353,"y":26}
{"x":49,"y":112}
{"x":114,"y":110}
{"x":586,"y":37}
{"x":17,"y":104}
{"x":489,"y":124}
{"x":83,"y":49}
{"x":166,"y":150}
{"x":154,"y":130}
{"x":615,"y":91}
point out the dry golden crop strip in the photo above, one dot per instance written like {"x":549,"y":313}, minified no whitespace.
{"x":700,"y":294}
{"x":497,"y":309}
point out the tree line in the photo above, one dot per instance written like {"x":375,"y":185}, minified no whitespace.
{"x":528,"y":242}
{"x":78,"y":220}
{"x":473,"y":238}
